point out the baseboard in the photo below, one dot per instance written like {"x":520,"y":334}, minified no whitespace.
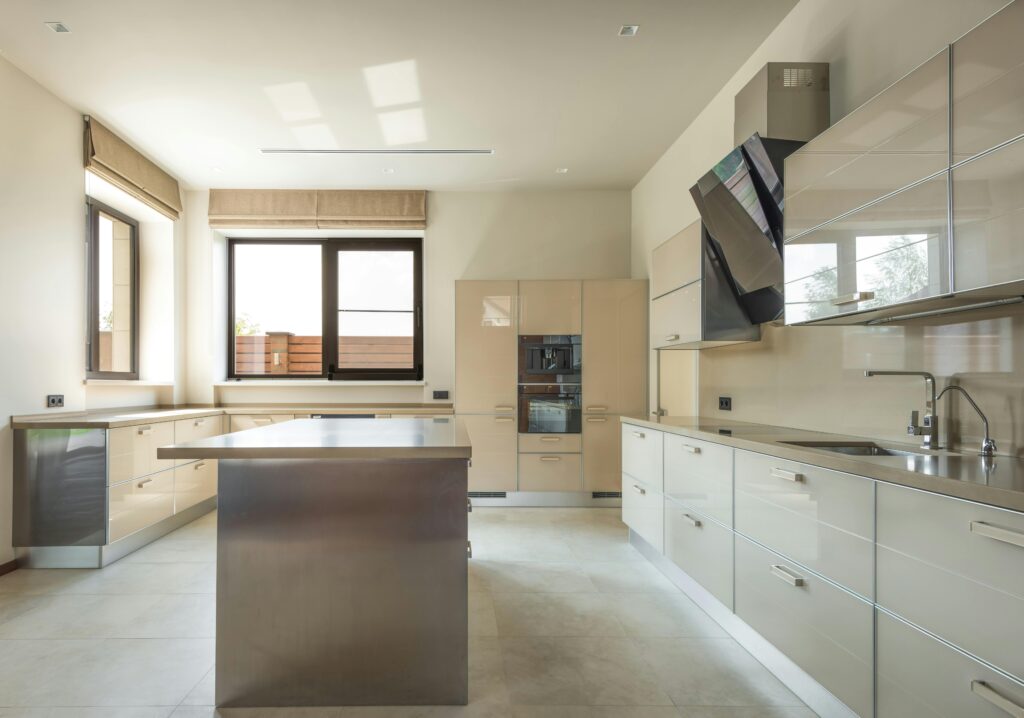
{"x":6,"y":568}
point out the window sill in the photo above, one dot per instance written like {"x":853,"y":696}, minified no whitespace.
{"x":125,"y":382}
{"x":248,"y":383}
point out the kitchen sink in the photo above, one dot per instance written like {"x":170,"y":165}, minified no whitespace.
{"x":855,"y":448}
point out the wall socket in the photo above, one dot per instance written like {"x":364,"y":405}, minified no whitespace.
{"x":54,"y":401}
{"x":441,"y":394}
{"x":725,"y":403}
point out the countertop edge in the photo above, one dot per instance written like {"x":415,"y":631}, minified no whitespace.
{"x":313,"y":452}
{"x":946,"y":486}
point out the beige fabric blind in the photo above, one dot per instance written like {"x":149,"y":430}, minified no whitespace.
{"x":371,"y":208}
{"x":325,"y":209}
{"x":256,"y":208}
{"x":113,"y":159}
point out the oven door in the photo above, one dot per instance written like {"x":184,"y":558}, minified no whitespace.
{"x":549,"y":409}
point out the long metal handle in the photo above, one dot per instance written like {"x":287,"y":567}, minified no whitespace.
{"x":597,"y":409}
{"x":199,"y":422}
{"x":261,"y":420}
{"x":199,"y":465}
{"x":551,"y":458}
{"x":551,"y":439}
{"x":503,"y":419}
{"x":787,"y":475}
{"x":998,"y":533}
{"x":672,"y":338}
{"x":597,"y":419}
{"x":145,"y":431}
{"x":852,"y":298}
{"x":786,"y":575}
{"x":691,"y":449}
{"x":988,"y":693}
{"x":639,"y":434}
{"x":642,"y":492}
{"x":504,"y":407}
{"x":697,"y":523}
{"x":143,"y":482}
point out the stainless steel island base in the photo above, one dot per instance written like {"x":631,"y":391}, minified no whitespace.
{"x":342,"y":582}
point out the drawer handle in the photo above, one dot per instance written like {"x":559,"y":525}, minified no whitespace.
{"x":504,"y":408}
{"x":145,"y":431}
{"x":469,"y":505}
{"x":694,"y":521}
{"x":199,"y":422}
{"x":551,"y":458}
{"x":998,"y":533}
{"x":691,"y":449}
{"x":261,"y":420}
{"x":852,"y":298}
{"x":143,"y":483}
{"x":550,"y":439}
{"x":642,"y":492}
{"x":503,"y":420}
{"x":672,"y":338}
{"x":985,"y":691}
{"x":787,"y":475}
{"x":597,"y":419}
{"x":639,"y":434}
{"x":597,"y":409}
{"x":786,"y":575}
{"x":199,"y":465}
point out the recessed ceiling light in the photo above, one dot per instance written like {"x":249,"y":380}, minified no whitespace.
{"x":57,"y":26}
{"x":629,"y":30}
{"x":216,"y":169}
{"x":388,"y":170}
{"x":562,"y":170}
{"x":375,"y":151}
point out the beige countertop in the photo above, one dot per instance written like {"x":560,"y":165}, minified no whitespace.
{"x":962,"y":475}
{"x":113,"y":418}
{"x":402,"y":438}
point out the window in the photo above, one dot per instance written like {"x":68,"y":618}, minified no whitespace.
{"x":113,"y":260}
{"x":363,"y":295}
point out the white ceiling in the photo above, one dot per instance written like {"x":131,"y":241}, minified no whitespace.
{"x":201,"y":85}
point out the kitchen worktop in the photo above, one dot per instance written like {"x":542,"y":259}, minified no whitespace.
{"x":401,"y":438}
{"x":113,"y":418}
{"x":999,"y":482}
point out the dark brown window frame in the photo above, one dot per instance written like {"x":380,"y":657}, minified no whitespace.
{"x":330,"y":248}
{"x":93,"y":210}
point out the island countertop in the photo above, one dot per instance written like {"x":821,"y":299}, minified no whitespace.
{"x":435,"y":438}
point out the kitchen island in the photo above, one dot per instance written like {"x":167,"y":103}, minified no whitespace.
{"x":341,"y":562}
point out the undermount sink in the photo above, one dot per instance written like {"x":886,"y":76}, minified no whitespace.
{"x":855,"y":448}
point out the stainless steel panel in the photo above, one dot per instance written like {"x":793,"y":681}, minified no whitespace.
{"x":60,"y":487}
{"x":341,"y":582}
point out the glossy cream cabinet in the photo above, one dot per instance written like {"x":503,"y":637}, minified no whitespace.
{"x":241,"y":422}
{"x":790,"y":548}
{"x":551,"y":306}
{"x":486,"y":324}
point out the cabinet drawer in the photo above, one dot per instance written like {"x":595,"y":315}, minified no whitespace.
{"x":643,"y":511}
{"x":132,"y":450}
{"x":676,"y":317}
{"x":200,"y":427}
{"x":642,"y":454}
{"x":602,"y":453}
{"x":193,"y":483}
{"x":241,"y":422}
{"x":550,"y":472}
{"x":920,"y":677}
{"x":136,"y":504}
{"x":820,"y":518}
{"x":967,"y":559}
{"x":823,"y":629}
{"x":698,"y":474}
{"x":700,"y":547}
{"x":493,"y":467}
{"x":547,"y":443}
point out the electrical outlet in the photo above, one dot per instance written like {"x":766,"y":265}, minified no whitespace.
{"x":725,"y":403}
{"x":441,"y":394}
{"x":54,"y":401}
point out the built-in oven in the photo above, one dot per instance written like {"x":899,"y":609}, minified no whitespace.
{"x":550,"y":409}
{"x":550,"y":359}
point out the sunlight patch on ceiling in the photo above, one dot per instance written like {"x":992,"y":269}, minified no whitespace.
{"x":396,"y":83}
{"x":403,"y":127}
{"x":294,"y":101}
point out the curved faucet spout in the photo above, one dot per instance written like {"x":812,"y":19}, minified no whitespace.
{"x":988,"y":446}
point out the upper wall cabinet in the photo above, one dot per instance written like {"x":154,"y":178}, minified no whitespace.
{"x":988,"y":84}
{"x":897,"y":138}
{"x":551,"y":307}
{"x":485,"y":347}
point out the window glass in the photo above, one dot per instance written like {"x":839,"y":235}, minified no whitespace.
{"x":376,"y":309}
{"x":113,"y":257}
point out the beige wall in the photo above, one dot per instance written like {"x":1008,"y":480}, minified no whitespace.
{"x":470,"y":235}
{"x":812,"y":377}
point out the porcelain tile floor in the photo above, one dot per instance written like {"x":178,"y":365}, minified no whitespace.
{"x":566,"y":620}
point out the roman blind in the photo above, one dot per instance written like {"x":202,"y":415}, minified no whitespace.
{"x":323,"y":209}
{"x":113,"y":159}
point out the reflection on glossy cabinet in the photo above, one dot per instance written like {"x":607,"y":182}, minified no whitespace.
{"x":493,"y":466}
{"x":132,"y":450}
{"x":550,"y":307}
{"x":241,"y":422}
{"x":676,"y":317}
{"x":136,"y":504}
{"x":988,"y":84}
{"x":194,"y":483}
{"x":602,"y":453}
{"x":676,"y":262}
{"x":485,"y":346}
{"x":614,"y":346}
{"x":898,"y":137}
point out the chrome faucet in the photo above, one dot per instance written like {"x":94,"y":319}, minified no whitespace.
{"x":988,"y":446}
{"x":929,"y":428}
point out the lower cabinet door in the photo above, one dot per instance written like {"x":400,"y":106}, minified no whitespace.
{"x":134,"y":505}
{"x":493,"y":466}
{"x":193,"y":483}
{"x":602,"y":453}
{"x":550,"y":472}
{"x":643,"y":510}
{"x":822,"y":628}
{"x":700,"y":547}
{"x":241,"y":422}
{"x":920,"y":677}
